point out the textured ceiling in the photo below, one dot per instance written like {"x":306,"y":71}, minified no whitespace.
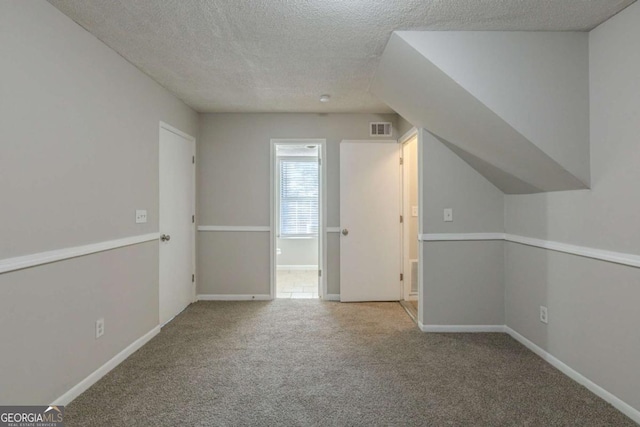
{"x":281,"y":55}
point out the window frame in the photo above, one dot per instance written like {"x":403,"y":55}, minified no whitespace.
{"x":280,"y":235}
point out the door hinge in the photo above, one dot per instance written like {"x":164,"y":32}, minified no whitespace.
{"x":193,"y":219}
{"x":193,"y":159}
{"x":401,"y":277}
{"x":319,"y":273}
{"x":401,"y":219}
{"x":401,"y":161}
{"x":193,"y":278}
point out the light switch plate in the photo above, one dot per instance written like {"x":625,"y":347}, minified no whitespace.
{"x":414,"y":211}
{"x":448,"y":215}
{"x":141,"y":216}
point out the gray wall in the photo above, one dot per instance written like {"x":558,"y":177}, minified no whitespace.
{"x":403,"y":126}
{"x":538,"y":82}
{"x":79,"y":154}
{"x":233,"y":189}
{"x":531,"y":77}
{"x":463,"y":282}
{"x":593,"y":305}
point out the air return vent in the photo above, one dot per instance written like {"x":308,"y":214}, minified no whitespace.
{"x":380,"y":129}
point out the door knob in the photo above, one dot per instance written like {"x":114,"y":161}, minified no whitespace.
{"x":345,"y":231}
{"x":165,"y":237}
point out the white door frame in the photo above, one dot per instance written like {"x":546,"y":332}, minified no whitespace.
{"x":322,"y":209}
{"x":407,"y":214}
{"x":421,"y":203}
{"x":192,"y":141}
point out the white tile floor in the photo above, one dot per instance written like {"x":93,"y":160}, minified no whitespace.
{"x":297,"y":284}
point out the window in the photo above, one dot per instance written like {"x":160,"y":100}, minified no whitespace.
{"x":298,"y":197}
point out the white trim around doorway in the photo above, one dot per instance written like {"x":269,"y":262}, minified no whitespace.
{"x":322,"y":214}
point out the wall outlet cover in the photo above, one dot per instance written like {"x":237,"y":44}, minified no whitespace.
{"x":99,"y":328}
{"x":544,"y":315}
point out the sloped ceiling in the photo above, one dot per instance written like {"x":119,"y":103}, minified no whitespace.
{"x":485,"y":134}
{"x":280,"y":56}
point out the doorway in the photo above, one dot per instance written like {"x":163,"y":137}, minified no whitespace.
{"x":176,"y":221}
{"x":410,"y":227}
{"x":297,"y":225}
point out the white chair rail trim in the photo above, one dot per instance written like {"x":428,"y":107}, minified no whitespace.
{"x":40,"y":258}
{"x":445,"y":237}
{"x":234,"y":228}
{"x":584,"y":251}
{"x":249,"y":228}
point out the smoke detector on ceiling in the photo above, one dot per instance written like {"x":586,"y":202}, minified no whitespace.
{"x":380,"y":129}
{"x":325,"y":98}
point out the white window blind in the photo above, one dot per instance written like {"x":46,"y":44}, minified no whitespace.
{"x":299,"y":197}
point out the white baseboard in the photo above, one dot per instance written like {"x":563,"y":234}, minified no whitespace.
{"x":297,"y":267}
{"x":460,"y":328}
{"x":94,"y":377}
{"x":605,"y":395}
{"x":616,"y":402}
{"x":228,"y":297}
{"x":332,"y":297}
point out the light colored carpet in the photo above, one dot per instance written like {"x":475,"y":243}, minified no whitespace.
{"x":318,"y":363}
{"x":411,"y":307}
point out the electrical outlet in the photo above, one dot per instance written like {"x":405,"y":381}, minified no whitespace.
{"x":544,"y":317}
{"x":141,"y":216}
{"x":99,"y":328}
{"x":278,"y":251}
{"x":414,"y":211}
{"x":448,"y":215}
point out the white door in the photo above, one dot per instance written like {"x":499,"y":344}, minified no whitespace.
{"x":176,"y":224}
{"x":370,"y":221}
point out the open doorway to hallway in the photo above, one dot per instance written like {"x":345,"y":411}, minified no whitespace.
{"x":297,"y":212}
{"x":410,"y":226}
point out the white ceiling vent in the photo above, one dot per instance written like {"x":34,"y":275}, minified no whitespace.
{"x":380,"y":129}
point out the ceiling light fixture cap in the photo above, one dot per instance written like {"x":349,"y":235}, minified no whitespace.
{"x":325,"y":98}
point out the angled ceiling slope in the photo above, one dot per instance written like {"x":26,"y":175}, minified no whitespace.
{"x":513,"y":105}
